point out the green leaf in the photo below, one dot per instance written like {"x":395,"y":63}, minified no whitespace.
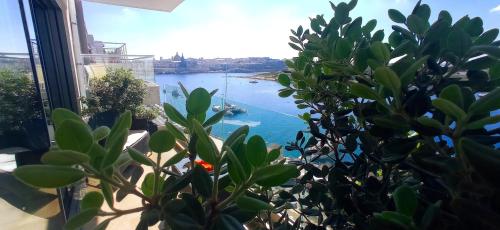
{"x":100,"y":133}
{"x":495,"y":71}
{"x":139,"y":157}
{"x":483,"y":122}
{"x":459,"y":42}
{"x":396,"y":16}
{"x":363,"y":91}
{"x":92,"y":200}
{"x":273,"y":155}
{"x":275,"y":175}
{"x":417,"y":25}
{"x":235,"y":136}
{"x":252,"y":204}
{"x":284,"y":80}
{"x":175,"y":131}
{"x":295,"y":47}
{"x":378,"y":36}
{"x":424,"y":12}
{"x":380,"y":51}
{"x":454,"y":94}
{"x":73,"y":135}
{"x":175,"y":159}
{"x":256,"y":151}
{"x":431,"y":212}
{"x":487,"y":37}
{"x":429,"y":122}
{"x":487,"y":103}
{"x":81,"y":219}
{"x":205,"y":147}
{"x":60,"y":115}
{"x":214,"y":92}
{"x":485,"y":160}
{"x":409,"y":75}
{"x":147,"y":186}
{"x":235,"y":168}
{"x":449,"y":108}
{"x":103,"y":225}
{"x":370,"y":26}
{"x":174,"y":115}
{"x":48,"y":176}
{"x":493,"y":51}
{"x":161,"y":141}
{"x":392,"y":122}
{"x":173,"y":184}
{"x":342,"y":13}
{"x":198,"y":101}
{"x":475,"y":27}
{"x":202,"y":182}
{"x":343,"y":48}
{"x":227,"y":222}
{"x":115,"y":149}
{"x":123,"y":123}
{"x":388,"y":79}
{"x":64,"y":157}
{"x":405,"y":200}
{"x":446,"y":17}
{"x":286,"y":92}
{"x":214,"y":119}
{"x":107,"y":192}
{"x":183,"y":89}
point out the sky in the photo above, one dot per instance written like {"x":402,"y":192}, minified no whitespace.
{"x":245,"y":28}
{"x":227,"y":28}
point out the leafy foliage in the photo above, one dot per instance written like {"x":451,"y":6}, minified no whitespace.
{"x":117,"y":91}
{"x":226,"y":197}
{"x":18,"y":100}
{"x":400,"y":133}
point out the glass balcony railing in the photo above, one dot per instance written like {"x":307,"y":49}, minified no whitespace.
{"x":95,"y":65}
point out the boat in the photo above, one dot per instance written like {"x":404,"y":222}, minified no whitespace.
{"x":175,"y":93}
{"x":231,"y":109}
{"x":253,"y":81}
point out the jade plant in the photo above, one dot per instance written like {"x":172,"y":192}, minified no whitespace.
{"x":404,"y":131}
{"x":225,"y":197}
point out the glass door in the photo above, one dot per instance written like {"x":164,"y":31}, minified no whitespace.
{"x":24,"y":134}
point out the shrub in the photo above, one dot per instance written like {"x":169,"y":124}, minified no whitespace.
{"x":224,"y":198}
{"x":117,"y":91}
{"x":401,"y":133}
{"x":147,"y":112}
{"x":18,"y":101}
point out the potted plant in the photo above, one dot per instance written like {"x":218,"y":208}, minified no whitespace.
{"x":408,"y":126}
{"x":114,"y":93}
{"x":225,"y":191}
{"x":143,"y":118}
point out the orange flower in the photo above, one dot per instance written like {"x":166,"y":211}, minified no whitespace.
{"x":207,"y":166}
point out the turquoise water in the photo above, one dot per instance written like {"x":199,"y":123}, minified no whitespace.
{"x":268,"y":115}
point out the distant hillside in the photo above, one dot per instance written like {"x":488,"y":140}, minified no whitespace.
{"x":237,"y":65}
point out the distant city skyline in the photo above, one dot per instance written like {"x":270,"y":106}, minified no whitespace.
{"x":244,"y":28}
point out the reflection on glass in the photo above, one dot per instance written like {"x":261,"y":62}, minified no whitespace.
{"x":23,"y":128}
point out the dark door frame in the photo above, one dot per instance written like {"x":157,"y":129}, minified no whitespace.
{"x":55,"y":54}
{"x":55,"y":58}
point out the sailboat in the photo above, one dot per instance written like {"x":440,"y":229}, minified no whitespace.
{"x":231,"y":109}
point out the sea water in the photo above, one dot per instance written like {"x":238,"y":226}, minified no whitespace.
{"x":268,"y":115}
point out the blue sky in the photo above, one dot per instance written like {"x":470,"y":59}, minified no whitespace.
{"x":242,"y":28}
{"x":228,"y":28}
